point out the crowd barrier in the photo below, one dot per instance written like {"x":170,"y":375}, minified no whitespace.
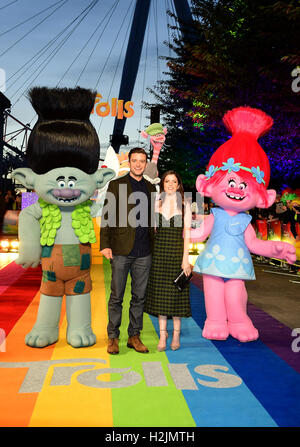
{"x":276,"y":230}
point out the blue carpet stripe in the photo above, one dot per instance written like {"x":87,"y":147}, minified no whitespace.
{"x":220,"y":401}
{"x":271,"y":380}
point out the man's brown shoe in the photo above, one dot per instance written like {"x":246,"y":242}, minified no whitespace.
{"x":135,"y":343}
{"x":113,"y":346}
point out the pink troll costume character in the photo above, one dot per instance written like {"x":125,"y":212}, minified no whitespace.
{"x":236,"y":180}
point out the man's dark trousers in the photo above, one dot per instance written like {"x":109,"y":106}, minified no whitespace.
{"x":139,"y":268}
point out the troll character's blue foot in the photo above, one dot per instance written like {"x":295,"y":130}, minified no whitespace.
{"x":45,"y":330}
{"x":40,"y":337}
{"x":80,"y":338}
{"x":79,"y":332}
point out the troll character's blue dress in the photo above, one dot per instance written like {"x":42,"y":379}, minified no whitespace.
{"x":226,"y":254}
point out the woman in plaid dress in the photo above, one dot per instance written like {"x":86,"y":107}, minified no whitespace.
{"x":170,"y":255}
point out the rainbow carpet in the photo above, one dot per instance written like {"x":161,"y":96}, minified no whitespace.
{"x":203,"y":384}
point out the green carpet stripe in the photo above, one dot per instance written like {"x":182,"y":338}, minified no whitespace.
{"x":147,"y":395}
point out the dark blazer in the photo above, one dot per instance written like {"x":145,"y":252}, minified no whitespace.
{"x":119,"y":235}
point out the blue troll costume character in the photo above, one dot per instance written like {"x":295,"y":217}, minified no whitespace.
{"x":63,"y":156}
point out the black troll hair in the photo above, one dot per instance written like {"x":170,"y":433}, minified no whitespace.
{"x":63,"y":135}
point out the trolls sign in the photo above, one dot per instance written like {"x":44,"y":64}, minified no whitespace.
{"x":116,"y":107}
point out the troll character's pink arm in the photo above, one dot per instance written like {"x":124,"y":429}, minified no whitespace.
{"x":156,"y":142}
{"x":201,"y":233}
{"x":272,"y":249}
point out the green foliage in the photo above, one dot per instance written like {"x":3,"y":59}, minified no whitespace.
{"x":239,"y":53}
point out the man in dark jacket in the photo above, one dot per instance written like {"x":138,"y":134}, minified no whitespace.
{"x":126,"y":238}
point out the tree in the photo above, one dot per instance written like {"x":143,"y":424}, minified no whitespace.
{"x":241,"y":53}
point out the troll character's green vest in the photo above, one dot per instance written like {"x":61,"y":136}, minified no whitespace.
{"x":81,"y":222}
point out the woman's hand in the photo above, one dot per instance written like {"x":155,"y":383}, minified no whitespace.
{"x":186,"y":267}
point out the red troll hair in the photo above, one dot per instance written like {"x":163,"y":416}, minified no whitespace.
{"x":246,"y":125}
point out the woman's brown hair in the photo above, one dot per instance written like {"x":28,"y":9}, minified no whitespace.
{"x":180,"y":189}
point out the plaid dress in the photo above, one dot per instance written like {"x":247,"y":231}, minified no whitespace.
{"x":162,"y":297}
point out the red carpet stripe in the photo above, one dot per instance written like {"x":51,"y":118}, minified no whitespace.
{"x":17,"y":294}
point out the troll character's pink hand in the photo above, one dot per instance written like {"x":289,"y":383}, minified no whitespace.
{"x":283,"y":250}
{"x":272,"y":249}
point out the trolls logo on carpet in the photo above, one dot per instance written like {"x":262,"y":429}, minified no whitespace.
{"x":115,"y":108}
{"x":154,"y":375}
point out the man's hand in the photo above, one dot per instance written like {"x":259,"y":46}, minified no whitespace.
{"x":107,"y":253}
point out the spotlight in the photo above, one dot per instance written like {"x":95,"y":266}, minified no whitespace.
{"x":4,"y":244}
{"x":14,"y":245}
